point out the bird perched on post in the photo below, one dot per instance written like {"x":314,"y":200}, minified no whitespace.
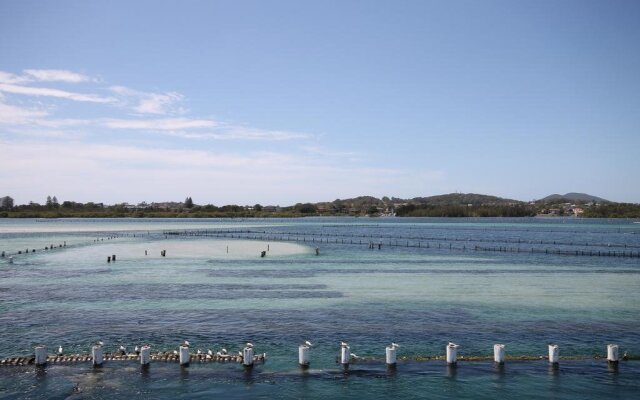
{"x":60,"y":350}
{"x":122,"y":350}
{"x":249,"y":345}
{"x":186,"y":343}
{"x":307,"y":343}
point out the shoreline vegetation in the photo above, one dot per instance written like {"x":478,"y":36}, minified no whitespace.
{"x":450,"y":205}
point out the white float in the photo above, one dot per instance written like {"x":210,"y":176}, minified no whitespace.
{"x":612,"y":353}
{"x":303,"y":355}
{"x":247,"y":356}
{"x":390,"y":352}
{"x":184,"y":355}
{"x":554,"y":353}
{"x":498,"y":353}
{"x":452,"y":353}
{"x":145,"y":355}
{"x":345,"y":354}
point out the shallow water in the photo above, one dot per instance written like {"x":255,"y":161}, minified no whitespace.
{"x":217,"y":291}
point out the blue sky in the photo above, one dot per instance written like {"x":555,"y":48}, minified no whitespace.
{"x":279,"y":102}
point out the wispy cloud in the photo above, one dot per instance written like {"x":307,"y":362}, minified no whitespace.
{"x":150,"y":102}
{"x":15,"y":115}
{"x":48,"y":92}
{"x":164,"y":124}
{"x":53,"y":75}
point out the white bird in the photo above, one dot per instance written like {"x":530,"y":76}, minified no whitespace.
{"x":249,"y":344}
{"x":123,"y":350}
{"x":209,"y":352}
{"x":223,"y":351}
{"x":240,"y":354}
{"x":60,"y":350}
{"x":394,"y":345}
{"x":100,"y":343}
{"x":137,"y":350}
{"x":308,"y":343}
{"x":175,"y":352}
{"x":186,"y":343}
{"x":344,"y":344}
{"x":199,"y":351}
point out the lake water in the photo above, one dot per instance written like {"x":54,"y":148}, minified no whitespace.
{"x":215,"y":290}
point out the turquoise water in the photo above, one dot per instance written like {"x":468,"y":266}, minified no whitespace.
{"x":216,"y":291}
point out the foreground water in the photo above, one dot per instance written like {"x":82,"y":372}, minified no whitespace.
{"x":216,"y":291}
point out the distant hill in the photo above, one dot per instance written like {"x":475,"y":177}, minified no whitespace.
{"x":573,"y":198}
{"x":464,"y":199}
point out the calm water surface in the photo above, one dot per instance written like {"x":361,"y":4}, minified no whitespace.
{"x":216,"y":291}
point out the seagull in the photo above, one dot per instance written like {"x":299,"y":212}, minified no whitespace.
{"x":308,"y":343}
{"x":209,"y":352}
{"x":137,"y":350}
{"x":199,"y":351}
{"x":60,"y":350}
{"x":175,"y":352}
{"x":249,"y":344}
{"x":240,"y":354}
{"x":344,"y":344}
{"x":223,"y":351}
{"x":394,"y":345}
{"x":99,"y":343}
{"x":186,"y":343}
{"x":123,"y":350}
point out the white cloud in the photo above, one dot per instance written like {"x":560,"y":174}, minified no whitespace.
{"x":157,"y":103}
{"x":48,"y":92}
{"x":56,"y":75}
{"x":14,"y":115}
{"x":164,"y":124}
{"x":127,"y":173}
{"x":7,"y":77}
{"x":150,"y":102}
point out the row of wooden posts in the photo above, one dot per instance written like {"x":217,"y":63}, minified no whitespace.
{"x":380,"y":244}
{"x":304,"y":354}
{"x":402,"y":237}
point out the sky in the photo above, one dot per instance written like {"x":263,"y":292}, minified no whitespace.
{"x":280,"y":102}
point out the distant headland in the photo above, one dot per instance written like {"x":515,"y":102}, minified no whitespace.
{"x":579,"y":205}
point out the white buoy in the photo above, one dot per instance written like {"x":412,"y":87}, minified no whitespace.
{"x":184,"y":355}
{"x":612,"y":353}
{"x":247,"y":356}
{"x":145,"y":355}
{"x":391,"y":354}
{"x":96,"y":355}
{"x":554,"y":353}
{"x":345,"y":354}
{"x":452,"y":353}
{"x":304,"y":355}
{"x":41,"y":355}
{"x":498,"y":353}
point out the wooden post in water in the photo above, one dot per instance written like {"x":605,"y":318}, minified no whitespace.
{"x":612,"y":353}
{"x":303,"y":354}
{"x":452,"y":353}
{"x":498,"y":353}
{"x":96,"y":355}
{"x":184,"y":356}
{"x":390,"y":355}
{"x":554,"y":354}
{"x":247,"y":356}
{"x":41,"y":355}
{"x":145,"y":355}
{"x":345,"y":354}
